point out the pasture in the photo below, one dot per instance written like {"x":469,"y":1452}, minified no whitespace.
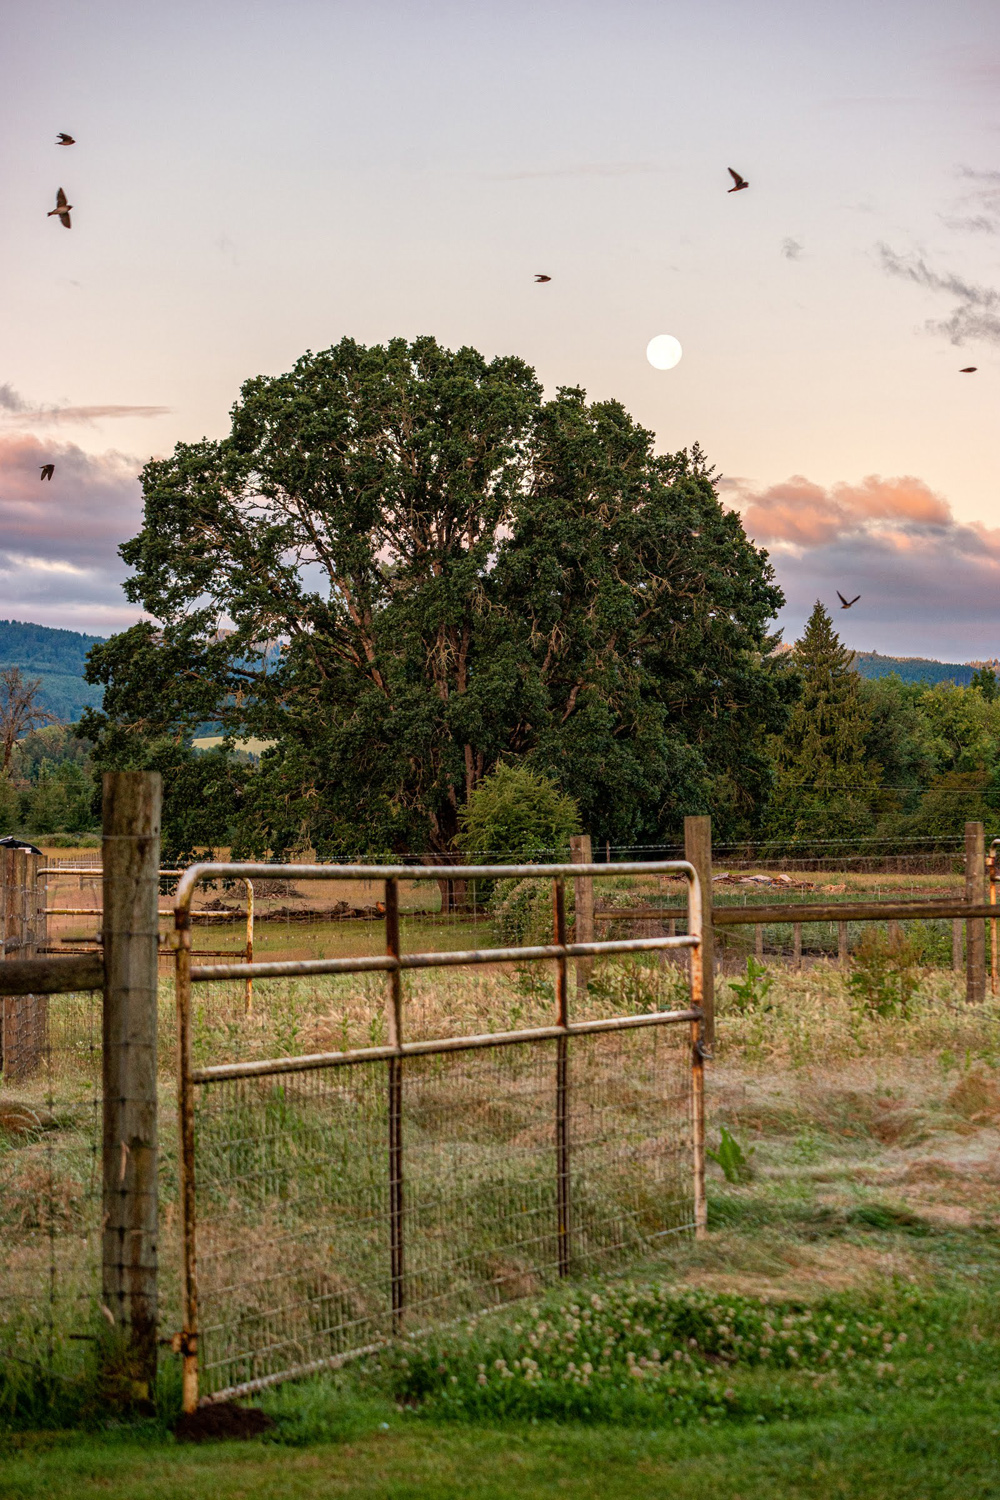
{"x":865,"y":1192}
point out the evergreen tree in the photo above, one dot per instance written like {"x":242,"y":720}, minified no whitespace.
{"x":985,"y":679}
{"x":826,"y":784}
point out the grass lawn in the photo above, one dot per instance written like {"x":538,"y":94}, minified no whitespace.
{"x":905,"y":1452}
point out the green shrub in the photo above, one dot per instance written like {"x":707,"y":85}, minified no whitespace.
{"x":734,"y":1161}
{"x":750,"y":993}
{"x":518,"y":814}
{"x":885,"y":972}
{"x":521,"y":910}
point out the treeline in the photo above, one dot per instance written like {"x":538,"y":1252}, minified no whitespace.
{"x":884,"y":758}
{"x":857,"y":759}
{"x":51,"y":786}
{"x":57,"y":659}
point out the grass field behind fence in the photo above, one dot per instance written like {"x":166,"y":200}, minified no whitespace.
{"x":49,"y":1175}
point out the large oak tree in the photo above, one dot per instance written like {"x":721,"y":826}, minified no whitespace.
{"x":402,"y":566}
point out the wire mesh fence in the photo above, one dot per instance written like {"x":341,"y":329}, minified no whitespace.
{"x":50,"y":1190}
{"x":802,"y":873}
{"x":294,"y":1192}
{"x":50,"y":1129}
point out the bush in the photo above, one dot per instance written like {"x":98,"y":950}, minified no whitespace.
{"x":517,"y":814}
{"x":885,"y":972}
{"x":521,"y":910}
{"x":750,"y":993}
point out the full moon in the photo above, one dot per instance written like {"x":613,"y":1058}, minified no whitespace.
{"x":663,"y":352}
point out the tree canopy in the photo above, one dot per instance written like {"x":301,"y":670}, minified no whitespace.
{"x":403,"y":565}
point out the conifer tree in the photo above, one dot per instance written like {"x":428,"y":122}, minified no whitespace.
{"x":825,"y":786}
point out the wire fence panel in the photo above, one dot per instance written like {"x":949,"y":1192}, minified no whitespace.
{"x":50,"y":1190}
{"x":631,"y":1149}
{"x":293,"y":1222}
{"x":295,"y":1229}
{"x":480,"y":1179}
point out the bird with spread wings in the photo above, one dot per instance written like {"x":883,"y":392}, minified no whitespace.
{"x":846,"y":603}
{"x":61,"y":210}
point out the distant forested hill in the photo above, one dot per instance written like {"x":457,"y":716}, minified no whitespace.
{"x":58,"y":657}
{"x":912,"y":668}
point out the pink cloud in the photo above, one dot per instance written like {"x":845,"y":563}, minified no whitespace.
{"x":929,"y":583}
{"x":804,"y":514}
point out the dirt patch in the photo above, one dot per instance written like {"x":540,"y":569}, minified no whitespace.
{"x":221,"y":1421}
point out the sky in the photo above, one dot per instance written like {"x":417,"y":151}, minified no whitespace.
{"x":252,"y":180}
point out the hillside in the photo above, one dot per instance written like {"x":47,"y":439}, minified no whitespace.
{"x":58,"y":657}
{"x":913,"y":668}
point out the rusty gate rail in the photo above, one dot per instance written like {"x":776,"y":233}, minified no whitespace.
{"x":394,"y":963}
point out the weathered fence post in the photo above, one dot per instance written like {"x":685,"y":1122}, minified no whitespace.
{"x":698,"y":852}
{"x":581,"y":853}
{"x":975,"y":930}
{"x":956,"y":944}
{"x":23,"y":1018}
{"x":130,"y":930}
{"x":842,"y":944}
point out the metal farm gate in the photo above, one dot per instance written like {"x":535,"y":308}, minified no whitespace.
{"x":331,"y":1200}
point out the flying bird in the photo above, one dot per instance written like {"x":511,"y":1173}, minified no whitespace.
{"x":540,"y":277}
{"x":61,"y":209}
{"x":738,"y":181}
{"x":47,"y":471}
{"x":846,"y":603}
{"x":65,"y":140}
{"x":969,"y":370}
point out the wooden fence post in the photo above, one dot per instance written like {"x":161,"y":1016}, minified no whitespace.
{"x":842,"y":944}
{"x":956,"y":944}
{"x":580,"y":853}
{"x":130,"y":930}
{"x":698,"y":852}
{"x":975,"y":930}
{"x":23,"y":1018}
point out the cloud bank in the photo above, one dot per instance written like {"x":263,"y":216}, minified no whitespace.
{"x":59,"y":540}
{"x":930,"y":584}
